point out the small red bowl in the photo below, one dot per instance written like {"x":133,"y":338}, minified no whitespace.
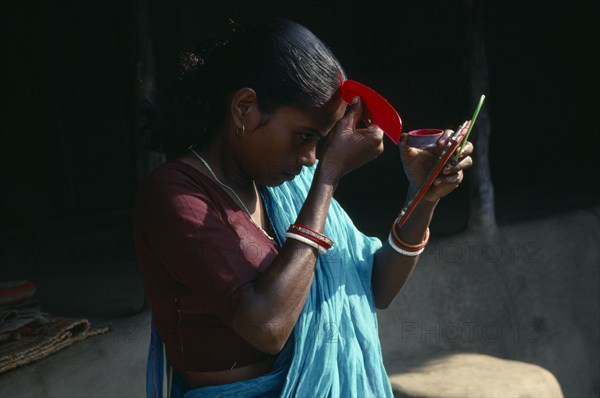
{"x":424,"y":138}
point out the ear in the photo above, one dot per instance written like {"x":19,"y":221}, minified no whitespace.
{"x":244,"y":107}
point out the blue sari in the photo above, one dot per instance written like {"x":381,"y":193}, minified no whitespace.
{"x":334,"y":350}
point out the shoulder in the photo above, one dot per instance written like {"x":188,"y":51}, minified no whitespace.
{"x":174,"y":186}
{"x":170,"y":175}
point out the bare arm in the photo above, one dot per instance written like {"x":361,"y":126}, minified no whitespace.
{"x":391,"y":269}
{"x":270,"y":307}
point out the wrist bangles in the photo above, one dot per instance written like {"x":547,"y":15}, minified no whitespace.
{"x":322,"y":243}
{"x":310,"y":237}
{"x":404,"y":248}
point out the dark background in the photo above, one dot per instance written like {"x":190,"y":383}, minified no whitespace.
{"x":67,"y":129}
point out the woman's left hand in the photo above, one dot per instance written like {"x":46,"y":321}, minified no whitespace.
{"x":417,"y":163}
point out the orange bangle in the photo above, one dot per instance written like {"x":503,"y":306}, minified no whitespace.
{"x":408,"y":246}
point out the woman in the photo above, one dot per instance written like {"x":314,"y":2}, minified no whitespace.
{"x":259,"y":283}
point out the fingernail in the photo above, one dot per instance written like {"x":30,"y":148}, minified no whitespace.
{"x":354,"y":100}
{"x":437,"y":182}
{"x":446,"y":170}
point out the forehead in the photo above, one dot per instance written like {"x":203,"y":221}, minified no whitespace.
{"x":322,"y":119}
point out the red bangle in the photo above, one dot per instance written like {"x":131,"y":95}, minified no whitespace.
{"x":401,"y":246}
{"x":406,"y":246}
{"x":307,"y":241}
{"x":312,"y":235}
{"x":309,"y":235}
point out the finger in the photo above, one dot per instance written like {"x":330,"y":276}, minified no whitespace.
{"x":453,"y":179}
{"x":378,"y":135}
{"x":402,"y":143}
{"x":467,"y":150}
{"x":406,"y":149}
{"x":376,"y":131}
{"x":375,"y":135}
{"x":365,"y":119}
{"x":403,"y":140}
{"x":372,"y":131}
{"x":444,"y":138}
{"x":464,"y":164}
{"x":355,"y":112}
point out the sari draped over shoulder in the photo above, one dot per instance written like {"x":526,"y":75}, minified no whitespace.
{"x":334,"y":350}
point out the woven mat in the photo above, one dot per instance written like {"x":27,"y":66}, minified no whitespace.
{"x":50,"y":337}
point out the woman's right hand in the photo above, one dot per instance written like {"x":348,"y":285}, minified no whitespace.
{"x":348,"y":146}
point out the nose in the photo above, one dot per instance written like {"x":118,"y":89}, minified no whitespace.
{"x":308,"y":158}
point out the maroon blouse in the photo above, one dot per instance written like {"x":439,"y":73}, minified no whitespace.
{"x":196,"y":249}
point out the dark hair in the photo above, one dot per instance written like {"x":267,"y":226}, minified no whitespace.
{"x":283,"y":61}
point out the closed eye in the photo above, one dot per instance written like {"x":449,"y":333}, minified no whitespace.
{"x":305,"y":137}
{"x":309,"y":135}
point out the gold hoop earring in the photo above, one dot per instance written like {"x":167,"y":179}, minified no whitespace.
{"x":237,"y":130}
